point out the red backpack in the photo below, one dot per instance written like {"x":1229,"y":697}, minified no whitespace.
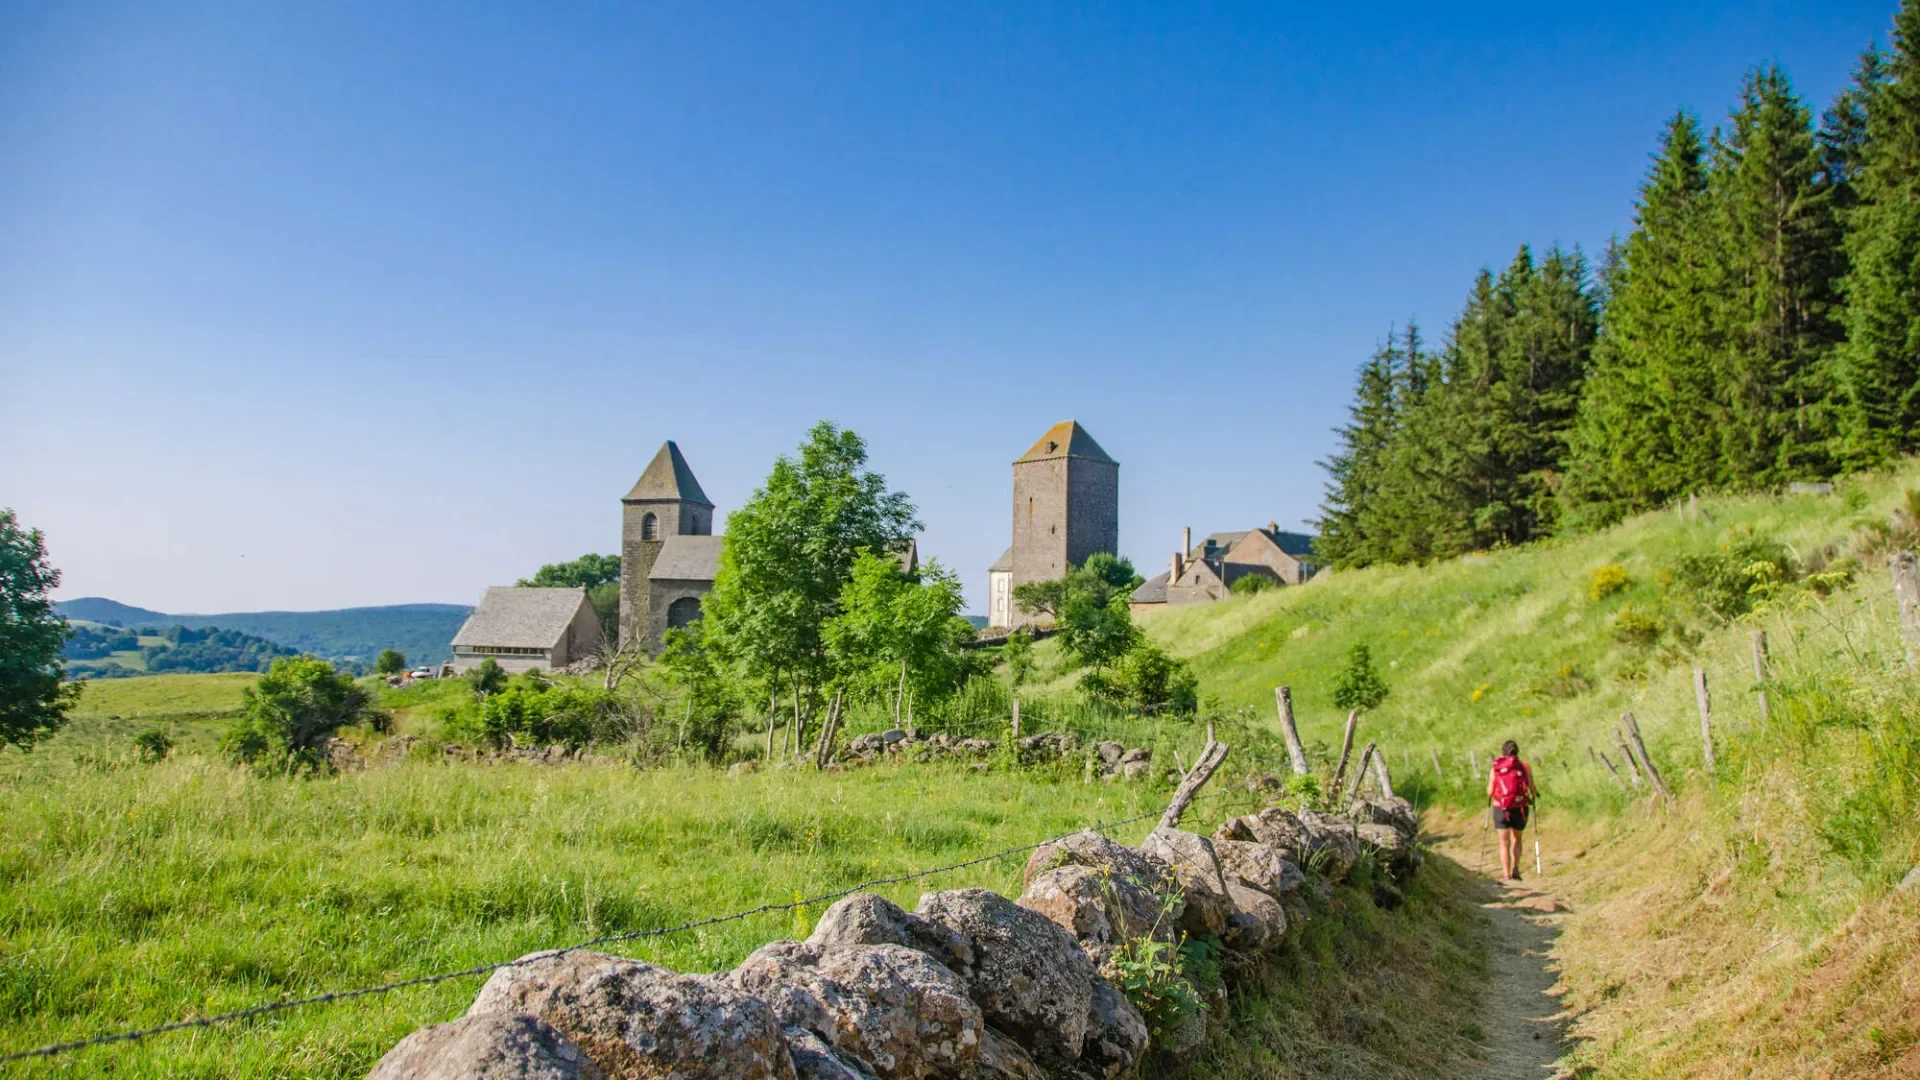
{"x":1510,"y":785}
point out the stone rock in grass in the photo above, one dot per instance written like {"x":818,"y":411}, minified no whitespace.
{"x":494,"y":1046}
{"x":1109,"y":752}
{"x":1257,"y":921}
{"x":635,"y":1019}
{"x":1374,"y":809}
{"x":1274,"y":827}
{"x":1089,"y":848}
{"x":870,"y":919}
{"x":813,"y":1059}
{"x":892,"y":1011}
{"x":1197,"y":869}
{"x":1333,"y":845}
{"x":1002,"y":1059}
{"x":1390,"y":846}
{"x":1029,"y":976}
{"x":1101,"y":911}
{"x":1259,"y":866}
{"x":1116,"y":1034}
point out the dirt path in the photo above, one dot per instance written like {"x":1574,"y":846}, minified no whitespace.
{"x":1525,"y":1029}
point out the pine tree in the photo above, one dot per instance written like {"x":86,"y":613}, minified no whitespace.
{"x":1879,"y":366}
{"x":1379,"y":396}
{"x":1636,"y":439}
{"x":1843,"y":129}
{"x":1779,"y":260}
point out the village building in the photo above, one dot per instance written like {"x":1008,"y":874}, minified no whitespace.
{"x":668,"y":553}
{"x":1066,"y":507}
{"x":522,"y":628}
{"x":1205,"y":573}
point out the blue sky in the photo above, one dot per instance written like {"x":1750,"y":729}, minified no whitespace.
{"x":317,"y":305}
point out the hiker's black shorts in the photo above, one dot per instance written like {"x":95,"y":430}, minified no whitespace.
{"x":1511,"y":818}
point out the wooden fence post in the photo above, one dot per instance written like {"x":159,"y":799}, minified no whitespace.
{"x":1367,"y":758}
{"x":1016,"y":718}
{"x":1616,"y":772}
{"x":1382,"y":775}
{"x":1190,"y":785}
{"x":1705,"y":702}
{"x":1346,"y":750}
{"x":1439,"y":774}
{"x":1760,"y":671}
{"x":1296,"y":753}
{"x":1633,"y":767}
{"x":1639,"y":747}
{"x":1906,"y":589}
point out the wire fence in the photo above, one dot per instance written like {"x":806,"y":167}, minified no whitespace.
{"x":138,"y":1034}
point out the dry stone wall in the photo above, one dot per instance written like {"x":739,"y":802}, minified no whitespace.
{"x":970,"y":985}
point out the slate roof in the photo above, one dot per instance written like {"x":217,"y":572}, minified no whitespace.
{"x":1221,"y":542}
{"x":1151,"y":591}
{"x":688,"y":558}
{"x":1293,"y":543}
{"x":522,"y":617}
{"x":1003,"y":564}
{"x":1064,"y":440}
{"x":667,"y":477}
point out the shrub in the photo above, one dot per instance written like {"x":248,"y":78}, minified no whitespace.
{"x":294,"y":708}
{"x":1728,"y":582}
{"x":1252,"y":584}
{"x":391,"y":662}
{"x":533,"y":709}
{"x":1146,"y":680}
{"x":1607,"y":580}
{"x":1018,"y":654}
{"x":1631,"y":627}
{"x":487,"y":677}
{"x":1360,"y":685}
{"x":152,"y":745}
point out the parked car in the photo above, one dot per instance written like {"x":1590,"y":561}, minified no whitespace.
{"x":422,"y":673}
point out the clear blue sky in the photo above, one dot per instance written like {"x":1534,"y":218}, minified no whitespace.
{"x":312,"y":305}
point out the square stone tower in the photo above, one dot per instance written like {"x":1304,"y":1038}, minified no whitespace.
{"x":665,"y":501}
{"x":1066,"y":506}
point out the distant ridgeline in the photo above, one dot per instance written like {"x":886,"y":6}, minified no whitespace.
{"x":349,"y":636}
{"x":106,"y":652}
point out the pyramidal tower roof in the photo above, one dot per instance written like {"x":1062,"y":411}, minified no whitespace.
{"x":1066,"y":439}
{"x":667,"y":478}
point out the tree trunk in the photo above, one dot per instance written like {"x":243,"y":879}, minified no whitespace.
{"x":1296,"y":753}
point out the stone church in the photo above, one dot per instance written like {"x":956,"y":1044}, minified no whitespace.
{"x":668,"y":553}
{"x":1066,"y":506}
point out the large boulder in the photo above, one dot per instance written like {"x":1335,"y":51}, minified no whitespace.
{"x":813,"y":1059}
{"x":1002,"y":1059}
{"x":493,"y":1046}
{"x":890,"y":1010}
{"x":1259,"y":866}
{"x":635,"y":1019}
{"x":1275,"y":827}
{"x":1257,"y":922}
{"x":870,"y":919}
{"x":1197,"y":870}
{"x":1100,"y":910}
{"x":1333,"y":845}
{"x":1116,"y":1034}
{"x":1375,"y":809}
{"x":1029,"y":976}
{"x":1390,"y":847}
{"x":1089,"y":848}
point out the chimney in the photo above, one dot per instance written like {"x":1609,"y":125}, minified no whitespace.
{"x":1179,"y":566}
{"x":1186,"y":541}
{"x":1273,"y":526}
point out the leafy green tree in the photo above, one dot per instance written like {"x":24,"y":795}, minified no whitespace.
{"x":1017,"y":654}
{"x":1879,"y":367}
{"x":486,"y":677}
{"x":290,"y":713}
{"x":33,"y":699}
{"x":598,"y":574}
{"x":1146,"y":680}
{"x":1089,"y":608}
{"x":710,"y":705}
{"x":790,"y":553}
{"x":892,"y":634}
{"x":1360,"y":685}
{"x":390,"y":662}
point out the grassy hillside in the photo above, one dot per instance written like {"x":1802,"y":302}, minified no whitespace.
{"x":424,"y":632}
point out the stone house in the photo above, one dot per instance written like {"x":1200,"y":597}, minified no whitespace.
{"x":522,"y":628}
{"x":1066,"y":507}
{"x":668,"y":553}
{"x":1206,"y":572}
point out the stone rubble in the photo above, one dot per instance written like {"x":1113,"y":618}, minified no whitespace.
{"x":969,"y":986}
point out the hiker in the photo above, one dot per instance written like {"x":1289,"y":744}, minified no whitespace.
{"x":1510,"y":789}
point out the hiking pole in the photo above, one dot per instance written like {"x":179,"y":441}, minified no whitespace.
{"x":1537,"y":872}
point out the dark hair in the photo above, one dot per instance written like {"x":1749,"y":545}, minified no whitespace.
{"x":1509,"y":749}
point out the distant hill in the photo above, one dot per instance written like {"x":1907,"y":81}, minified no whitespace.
{"x":424,"y":632}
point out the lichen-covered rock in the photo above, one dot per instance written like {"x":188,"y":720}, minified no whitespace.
{"x":493,"y":1046}
{"x":1089,"y":848}
{"x":869,"y":919}
{"x":1275,"y":827}
{"x":1257,"y":921}
{"x":1116,"y":1034}
{"x":1257,"y":865}
{"x":1109,"y":752}
{"x":813,"y":1059}
{"x":1002,"y":1059}
{"x":1374,"y":809}
{"x":635,"y":1019}
{"x":1394,"y":851}
{"x":894,"y":1012}
{"x":1099,"y":909}
{"x":1333,"y":846}
{"x":1029,"y":976}
{"x":1202,"y":886}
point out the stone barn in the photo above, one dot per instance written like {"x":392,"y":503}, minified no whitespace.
{"x":523,"y":628}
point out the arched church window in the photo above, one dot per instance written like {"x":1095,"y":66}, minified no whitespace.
{"x":649,"y":528}
{"x":683,"y":612}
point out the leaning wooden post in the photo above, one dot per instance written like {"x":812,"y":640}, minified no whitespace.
{"x":1906,"y":589}
{"x":1633,"y":768}
{"x":1382,"y":775}
{"x":1640,"y":749}
{"x":1367,"y":757}
{"x":1016,"y":718}
{"x":1760,"y":670}
{"x":1439,"y":774}
{"x":1346,"y":751}
{"x":1296,"y":753}
{"x":1616,"y":772}
{"x":1705,"y":701}
{"x":1202,"y":771}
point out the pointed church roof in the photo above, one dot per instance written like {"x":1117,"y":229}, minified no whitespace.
{"x":1066,"y":439}
{"x":667,"y":478}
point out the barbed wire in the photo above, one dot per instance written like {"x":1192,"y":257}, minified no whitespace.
{"x":330,"y":997}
